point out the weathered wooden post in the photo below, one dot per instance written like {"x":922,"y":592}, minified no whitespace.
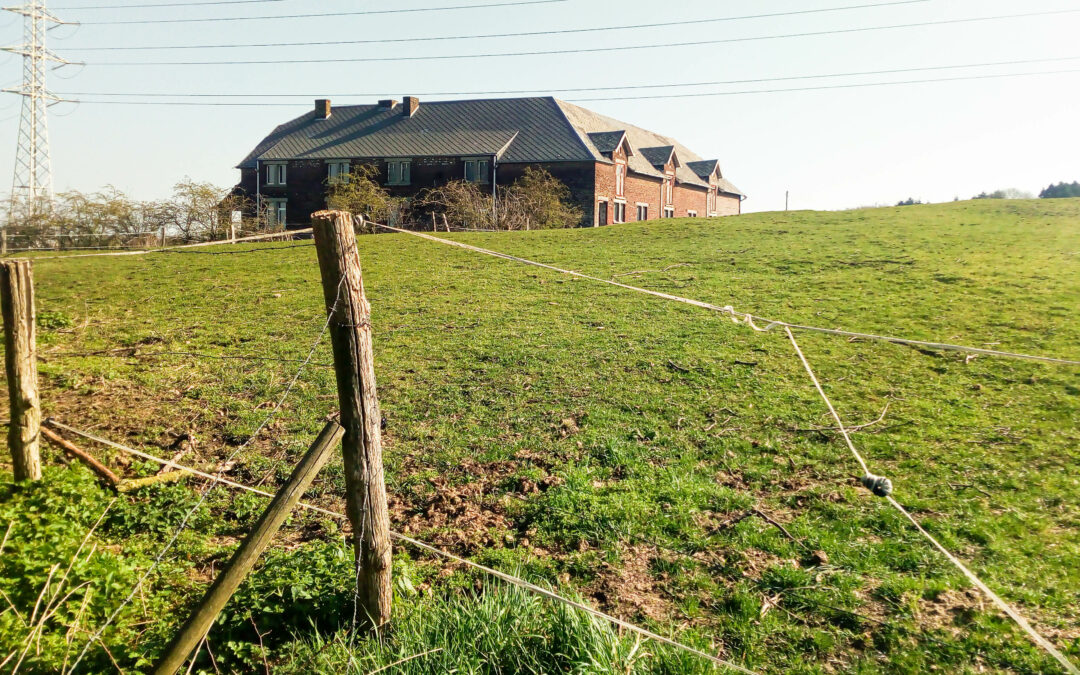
{"x":3,"y":242}
{"x":354,"y":364}
{"x":20,"y":361}
{"x":200,"y":621}
{"x":162,"y":237}
{"x":434,"y":226}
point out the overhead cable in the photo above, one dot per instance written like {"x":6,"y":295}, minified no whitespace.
{"x":590,"y":50}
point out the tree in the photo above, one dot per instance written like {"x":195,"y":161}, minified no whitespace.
{"x":537,"y":201}
{"x":910,"y":201}
{"x":360,"y":192}
{"x":1061,"y":191}
{"x":463,"y":203}
{"x":1008,"y":193}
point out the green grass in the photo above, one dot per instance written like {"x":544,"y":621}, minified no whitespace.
{"x":599,"y":441}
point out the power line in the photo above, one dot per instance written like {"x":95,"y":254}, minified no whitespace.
{"x":590,"y":50}
{"x":601,"y":88}
{"x":481,"y":36}
{"x":963,"y":78}
{"x":367,"y":12}
{"x":242,"y":104}
{"x":169,"y":4}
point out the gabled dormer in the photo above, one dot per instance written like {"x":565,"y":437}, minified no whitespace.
{"x":707,"y":170}
{"x":663,"y":158}
{"x":615,"y":145}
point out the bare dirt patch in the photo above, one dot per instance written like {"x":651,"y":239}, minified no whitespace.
{"x":631,"y":589}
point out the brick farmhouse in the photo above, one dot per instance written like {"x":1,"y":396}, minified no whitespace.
{"x":616,"y":172}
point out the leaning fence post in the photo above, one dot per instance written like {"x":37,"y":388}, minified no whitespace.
{"x":354,"y":365}
{"x":20,"y":361}
{"x":206,"y":612}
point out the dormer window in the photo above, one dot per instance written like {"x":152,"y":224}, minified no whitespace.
{"x":275,"y":174}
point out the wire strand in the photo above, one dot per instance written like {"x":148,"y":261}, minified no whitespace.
{"x":484,"y":36}
{"x":731,"y":311}
{"x":1018,"y":618}
{"x":369,"y":12}
{"x":521,"y":583}
{"x":202,"y":497}
{"x":627,"y":87}
{"x":590,"y":50}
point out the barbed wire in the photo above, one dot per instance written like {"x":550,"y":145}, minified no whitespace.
{"x":202,"y":497}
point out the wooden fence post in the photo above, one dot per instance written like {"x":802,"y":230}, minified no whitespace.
{"x":206,"y":612}
{"x":163,"y":237}
{"x":20,"y":361}
{"x":354,"y":364}
{"x":3,"y":242}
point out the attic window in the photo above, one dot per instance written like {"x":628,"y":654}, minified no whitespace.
{"x":476,"y":170}
{"x":338,"y":171}
{"x":620,"y":180}
{"x":398,"y":172}
{"x":275,"y":174}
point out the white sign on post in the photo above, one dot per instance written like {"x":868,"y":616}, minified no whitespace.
{"x":237,"y":217}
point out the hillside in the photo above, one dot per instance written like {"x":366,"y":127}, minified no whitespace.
{"x":605,"y":443}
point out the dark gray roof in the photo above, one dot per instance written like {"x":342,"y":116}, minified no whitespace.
{"x":519,"y":130}
{"x":658,"y":157}
{"x":607,"y":141}
{"x":537,"y":128}
{"x":705,"y":168}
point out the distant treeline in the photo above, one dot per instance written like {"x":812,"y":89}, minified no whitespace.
{"x":1061,"y":191}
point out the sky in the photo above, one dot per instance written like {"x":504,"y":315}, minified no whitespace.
{"x":835,"y":148}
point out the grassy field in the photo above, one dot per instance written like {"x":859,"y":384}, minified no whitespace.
{"x":601,"y":442}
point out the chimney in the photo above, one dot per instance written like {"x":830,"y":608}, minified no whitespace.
{"x":409,"y":106}
{"x":322,"y":108}
{"x":387,"y":103}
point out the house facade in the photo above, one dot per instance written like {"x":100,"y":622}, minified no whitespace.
{"x":616,"y":172}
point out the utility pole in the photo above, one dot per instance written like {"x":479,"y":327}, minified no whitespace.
{"x":32,"y":186}
{"x":787,"y":199}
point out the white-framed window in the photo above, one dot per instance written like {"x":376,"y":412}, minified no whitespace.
{"x":669,"y":192}
{"x":275,"y":174}
{"x":620,"y":179}
{"x":476,"y":170}
{"x":669,"y":211}
{"x":398,"y":172}
{"x":277,"y":211}
{"x":642,"y":212}
{"x":337,"y":171}
{"x":601,"y":212}
{"x":620,"y":212}
{"x":691,"y":214}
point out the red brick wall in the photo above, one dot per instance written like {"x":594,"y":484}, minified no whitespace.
{"x":643,"y":189}
{"x":588,"y":182}
{"x":649,"y":190}
{"x":728,"y":205}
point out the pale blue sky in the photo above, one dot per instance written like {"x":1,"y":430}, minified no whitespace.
{"x":832,"y":149}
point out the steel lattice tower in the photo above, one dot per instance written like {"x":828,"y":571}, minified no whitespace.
{"x":31,"y":188}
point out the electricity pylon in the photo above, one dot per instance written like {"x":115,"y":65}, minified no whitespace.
{"x":32,"y":187}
